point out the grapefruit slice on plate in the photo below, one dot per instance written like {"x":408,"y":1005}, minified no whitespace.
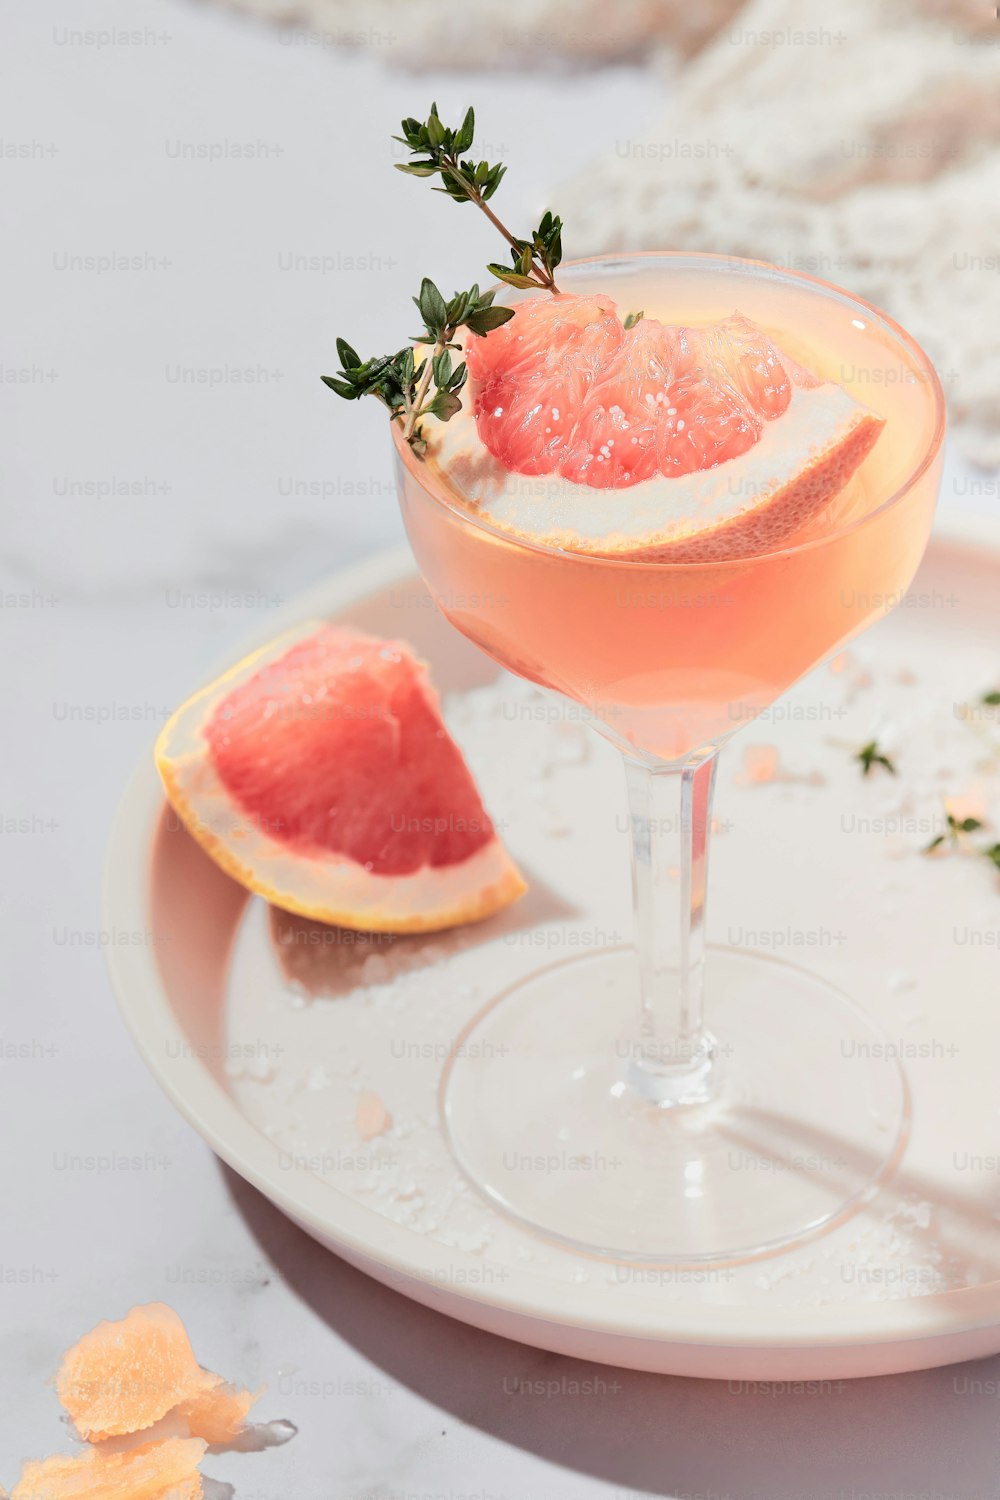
{"x":318,"y":772}
{"x":716,"y":443}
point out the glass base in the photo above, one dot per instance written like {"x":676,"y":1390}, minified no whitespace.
{"x":804,"y":1113}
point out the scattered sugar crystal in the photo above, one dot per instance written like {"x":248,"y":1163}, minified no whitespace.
{"x":260,"y":1069}
{"x":569,"y":747}
{"x":760,"y":764}
{"x":474,"y":1242}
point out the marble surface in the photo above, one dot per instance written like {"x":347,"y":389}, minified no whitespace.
{"x":195,"y":207}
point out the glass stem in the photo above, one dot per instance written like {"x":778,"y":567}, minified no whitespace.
{"x":673,"y":1061}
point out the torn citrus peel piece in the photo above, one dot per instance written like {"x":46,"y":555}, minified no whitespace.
{"x":148,"y":1410}
{"x":152,"y":1471}
{"x":123,"y":1377}
{"x":218,"y":1415}
{"x":318,"y":772}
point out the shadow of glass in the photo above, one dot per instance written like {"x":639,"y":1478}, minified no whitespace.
{"x":923,"y":1436}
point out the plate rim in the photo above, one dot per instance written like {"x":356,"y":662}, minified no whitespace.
{"x":406,"y":1259}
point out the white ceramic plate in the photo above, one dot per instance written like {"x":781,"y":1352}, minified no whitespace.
{"x":264,"y":1029}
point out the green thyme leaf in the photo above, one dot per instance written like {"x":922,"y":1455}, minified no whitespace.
{"x":433,"y":308}
{"x":464,"y":134}
{"x":444,"y":406}
{"x":486,"y":319}
{"x":512,"y":278}
{"x":349,"y":392}
{"x":870,"y":755}
{"x":436,"y":132}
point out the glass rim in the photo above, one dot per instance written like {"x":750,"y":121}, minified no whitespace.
{"x":435,"y":486}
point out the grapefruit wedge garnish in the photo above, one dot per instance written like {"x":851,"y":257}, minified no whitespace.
{"x":717,"y":444}
{"x":319,"y":773}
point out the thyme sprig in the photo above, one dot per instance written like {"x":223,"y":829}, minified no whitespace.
{"x":425,"y":382}
{"x":440,"y":152}
{"x":402,"y":381}
{"x":957,"y":841}
{"x":955,"y":837}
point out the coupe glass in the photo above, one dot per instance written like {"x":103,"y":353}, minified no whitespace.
{"x":614,"y":1102}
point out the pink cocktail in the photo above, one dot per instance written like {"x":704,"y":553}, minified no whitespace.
{"x":610,"y":1055}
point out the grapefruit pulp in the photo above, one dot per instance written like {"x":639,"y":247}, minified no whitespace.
{"x":318,"y":772}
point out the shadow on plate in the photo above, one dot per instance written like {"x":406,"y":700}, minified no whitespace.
{"x":332,"y":961}
{"x":924,"y":1434}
